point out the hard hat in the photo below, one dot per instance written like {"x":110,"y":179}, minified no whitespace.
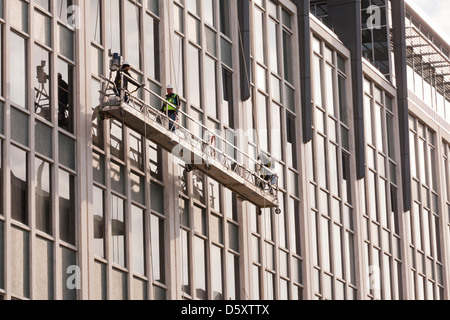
{"x":169,"y":86}
{"x":125,"y":64}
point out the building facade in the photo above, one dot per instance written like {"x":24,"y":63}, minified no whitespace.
{"x":349,"y":98}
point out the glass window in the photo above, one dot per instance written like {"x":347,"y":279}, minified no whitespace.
{"x":117,"y":144}
{"x":185,"y":265}
{"x":43,"y":3}
{"x":19,"y":185}
{"x":113,"y":25}
{"x":137,"y":188}
{"x":157,"y":243}
{"x":19,"y":14}
{"x":66,"y":41}
{"x":152,"y":47}
{"x":178,"y":56}
{"x":291,"y":137}
{"x":99,"y":222}
{"x":67,"y":209}
{"x":317,"y":80}
{"x":287,"y":57}
{"x":43,"y":193}
{"x":96,"y":23}
{"x":65,"y":96}
{"x":200,"y":268}
{"x":136,"y":150}
{"x":194,"y":76}
{"x":18,"y":70}
{"x":67,"y":154}
{"x":208,"y":11}
{"x":225,"y":17}
{"x":273,"y":45}
{"x":227,"y":101}
{"x":138,"y":239}
{"x":42,"y":84}
{"x":97,"y":126}
{"x":157,"y":198}
{"x":117,"y":177}
{"x":211,"y":87}
{"x":259,"y":36}
{"x":42,"y":28}
{"x":217,"y":274}
{"x":133,"y":42}
{"x":233,"y":277}
{"x":118,"y":230}
{"x":19,"y":128}
{"x":98,"y":166}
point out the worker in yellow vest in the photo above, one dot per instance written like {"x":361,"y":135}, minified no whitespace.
{"x":171,"y":108}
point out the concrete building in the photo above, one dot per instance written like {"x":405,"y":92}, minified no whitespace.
{"x":349,"y":98}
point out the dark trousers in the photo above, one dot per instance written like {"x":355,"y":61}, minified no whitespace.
{"x":173,"y":118}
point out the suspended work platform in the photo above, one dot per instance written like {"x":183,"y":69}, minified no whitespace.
{"x":200,"y":148}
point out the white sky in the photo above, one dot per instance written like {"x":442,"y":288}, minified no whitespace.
{"x":438,"y":12}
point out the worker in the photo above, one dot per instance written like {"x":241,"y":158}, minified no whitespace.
{"x":126,"y":78}
{"x":266,"y":170}
{"x":171,"y":106}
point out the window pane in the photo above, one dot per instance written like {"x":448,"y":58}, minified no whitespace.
{"x":66,"y":42}
{"x":18,"y":71}
{"x":210,"y":87}
{"x":43,"y":139}
{"x":217,"y":274}
{"x":157,"y":242}
{"x":152,"y":49}
{"x":132,"y":21}
{"x":200,"y":268}
{"x":19,"y":14}
{"x":96,"y":31}
{"x":19,"y":126}
{"x":19,"y":185}
{"x":42,"y":28}
{"x":67,"y":154}
{"x":117,"y":178}
{"x":118,"y":230}
{"x":113,"y":24}
{"x":67,"y":208}
{"x":65,"y":96}
{"x":194,"y":76}
{"x":137,"y":232}
{"x":43,"y":193}
{"x":99,"y":222}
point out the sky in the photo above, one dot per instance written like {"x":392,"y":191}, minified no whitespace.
{"x":439,"y":13}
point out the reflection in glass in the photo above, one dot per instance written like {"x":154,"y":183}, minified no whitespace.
{"x":118,"y":230}
{"x":42,"y":84}
{"x":19,"y":185}
{"x":67,"y":207}
{"x":157,"y":242}
{"x":99,"y":222}
{"x":200,"y":268}
{"x":43,"y":193}
{"x":65,"y":96}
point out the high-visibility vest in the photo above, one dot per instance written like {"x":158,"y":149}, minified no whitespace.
{"x":173,"y":100}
